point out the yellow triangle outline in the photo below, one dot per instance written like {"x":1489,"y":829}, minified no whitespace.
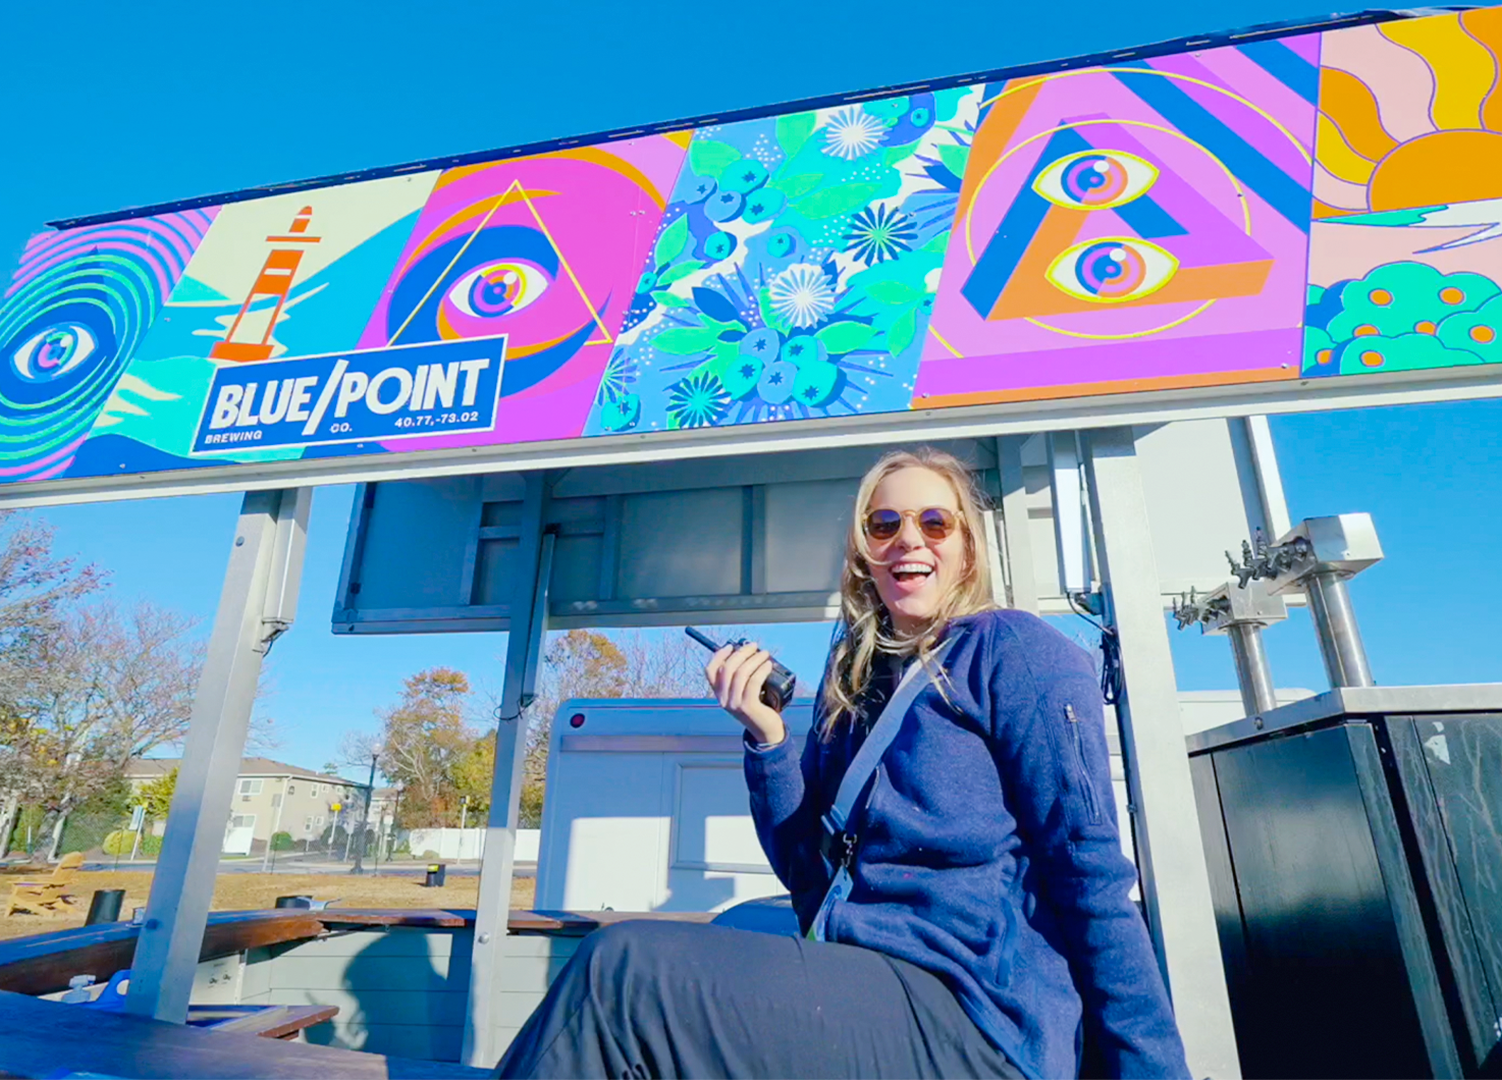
{"x":501,"y":200}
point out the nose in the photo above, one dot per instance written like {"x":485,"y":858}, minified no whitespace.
{"x":909,"y":537}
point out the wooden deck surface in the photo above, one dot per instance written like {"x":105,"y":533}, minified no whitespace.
{"x":43,"y":963}
{"x":47,"y":1039}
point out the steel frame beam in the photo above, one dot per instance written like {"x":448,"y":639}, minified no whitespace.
{"x":1171,"y":855}
{"x":256,"y":605}
{"x":524,"y":645}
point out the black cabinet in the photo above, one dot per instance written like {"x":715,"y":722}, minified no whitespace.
{"x":1355,"y":849}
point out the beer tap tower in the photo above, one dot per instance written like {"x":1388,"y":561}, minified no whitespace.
{"x":1240,"y":614}
{"x":1317,"y":557}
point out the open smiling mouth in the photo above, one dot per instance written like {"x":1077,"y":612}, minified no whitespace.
{"x":912,"y":571}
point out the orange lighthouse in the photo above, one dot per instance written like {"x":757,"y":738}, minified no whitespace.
{"x":274,"y":280}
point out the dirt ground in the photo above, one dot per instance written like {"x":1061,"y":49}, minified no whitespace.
{"x":242,"y":892}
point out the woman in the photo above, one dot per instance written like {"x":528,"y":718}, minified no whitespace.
{"x":987,"y":926}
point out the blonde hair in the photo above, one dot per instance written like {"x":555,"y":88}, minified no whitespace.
{"x":864,"y":627}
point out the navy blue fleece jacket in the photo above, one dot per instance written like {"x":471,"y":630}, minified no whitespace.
{"x":989,"y":852}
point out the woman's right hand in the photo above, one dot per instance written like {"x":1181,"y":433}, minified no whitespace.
{"x":736,"y":676}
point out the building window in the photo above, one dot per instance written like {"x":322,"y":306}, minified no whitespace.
{"x":307,"y":826}
{"x":250,"y":787}
{"x":243,"y":821}
{"x":316,"y":789}
{"x":291,"y":788}
{"x":276,"y":800}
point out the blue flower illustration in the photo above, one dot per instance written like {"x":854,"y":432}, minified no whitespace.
{"x":697,"y":401}
{"x":877,"y":234}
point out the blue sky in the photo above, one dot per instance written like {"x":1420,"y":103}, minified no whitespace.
{"x":112,"y":105}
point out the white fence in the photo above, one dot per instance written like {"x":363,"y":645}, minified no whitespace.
{"x":468,"y":844}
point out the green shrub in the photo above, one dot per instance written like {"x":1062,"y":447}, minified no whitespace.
{"x":281,"y":841}
{"x":122,"y":842}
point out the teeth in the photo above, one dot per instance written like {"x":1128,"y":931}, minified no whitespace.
{"x":912,"y":568}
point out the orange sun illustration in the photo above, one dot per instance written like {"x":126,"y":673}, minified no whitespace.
{"x":1410,"y":114}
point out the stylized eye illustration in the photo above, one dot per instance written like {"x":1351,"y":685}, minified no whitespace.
{"x":1095,"y":179}
{"x":499,"y":288}
{"x":54,"y":352}
{"x":1112,"y":270}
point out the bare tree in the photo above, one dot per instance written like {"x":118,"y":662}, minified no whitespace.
{"x":35,"y":588}
{"x":108,"y":687}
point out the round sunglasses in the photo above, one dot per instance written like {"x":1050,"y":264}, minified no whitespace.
{"x":934,"y":522}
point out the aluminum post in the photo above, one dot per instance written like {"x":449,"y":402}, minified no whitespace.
{"x":256,"y":606}
{"x":526,"y":629}
{"x":359,"y":867}
{"x":1021,"y":577}
{"x":1335,"y":627}
{"x":1171,"y":855}
{"x":1253,"y":674}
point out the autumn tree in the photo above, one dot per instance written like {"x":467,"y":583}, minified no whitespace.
{"x":423,"y":739}
{"x":473,"y":774}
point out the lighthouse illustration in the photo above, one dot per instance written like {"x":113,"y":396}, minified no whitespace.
{"x":274,"y":280}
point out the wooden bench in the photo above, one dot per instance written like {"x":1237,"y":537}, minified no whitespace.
{"x":48,"y":896}
{"x":267,"y":1021}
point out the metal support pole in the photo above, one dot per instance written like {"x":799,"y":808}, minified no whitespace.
{"x":256,"y":605}
{"x":268,"y":857}
{"x":1335,"y":627}
{"x":1253,"y":674}
{"x":359,"y":867}
{"x":527,"y":626}
{"x":1171,"y":855}
{"x":1021,"y":575}
{"x":1069,"y":529}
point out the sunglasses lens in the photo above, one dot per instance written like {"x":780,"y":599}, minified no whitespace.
{"x":936,"y":523}
{"x":883,"y":524}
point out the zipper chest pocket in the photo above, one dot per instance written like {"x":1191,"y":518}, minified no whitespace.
{"x":1087,"y":787}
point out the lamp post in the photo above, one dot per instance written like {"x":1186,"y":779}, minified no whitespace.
{"x":359,"y":867}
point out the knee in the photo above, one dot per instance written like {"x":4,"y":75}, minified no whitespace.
{"x":612,"y":945}
{"x":636,"y":948}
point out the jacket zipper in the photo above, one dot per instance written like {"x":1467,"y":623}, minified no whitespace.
{"x":1086,"y":786}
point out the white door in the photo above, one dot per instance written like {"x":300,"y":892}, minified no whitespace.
{"x":237,"y":838}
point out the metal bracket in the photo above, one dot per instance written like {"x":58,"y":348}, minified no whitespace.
{"x":271,"y":630}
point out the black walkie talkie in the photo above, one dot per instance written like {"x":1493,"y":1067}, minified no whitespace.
{"x":776,"y":692}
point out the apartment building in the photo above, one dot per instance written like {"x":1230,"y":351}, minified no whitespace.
{"x":271,"y":797}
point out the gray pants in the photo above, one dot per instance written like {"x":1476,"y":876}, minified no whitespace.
{"x":666,"y":999}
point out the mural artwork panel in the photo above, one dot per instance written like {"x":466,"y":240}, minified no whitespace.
{"x":795,"y":268}
{"x":75,"y":313}
{"x":1132,"y":227}
{"x":274,"y":278}
{"x":1278,"y":211}
{"x":1405,"y":268}
{"x":546,"y":250}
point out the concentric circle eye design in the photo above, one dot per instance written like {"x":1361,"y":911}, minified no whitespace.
{"x":53,"y":352}
{"x":1096,"y":179}
{"x":498,"y":289}
{"x":1112,"y":270}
